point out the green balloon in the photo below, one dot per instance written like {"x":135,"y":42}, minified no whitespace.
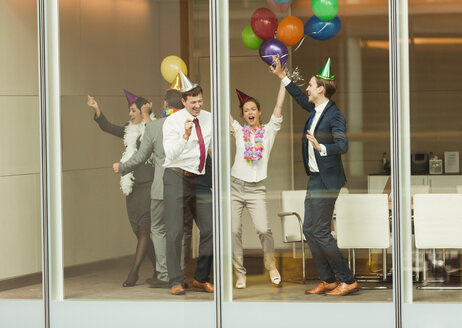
{"x":325,"y":10}
{"x":249,"y":38}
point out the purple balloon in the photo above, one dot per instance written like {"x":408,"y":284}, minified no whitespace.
{"x":272,"y":48}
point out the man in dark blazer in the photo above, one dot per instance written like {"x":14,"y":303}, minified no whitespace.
{"x":324,"y":140}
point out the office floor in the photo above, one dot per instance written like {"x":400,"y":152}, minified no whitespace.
{"x":105,"y":284}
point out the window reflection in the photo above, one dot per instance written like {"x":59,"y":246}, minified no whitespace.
{"x":359,"y":61}
{"x":120,"y":74}
{"x":435,"y":147}
{"x":20,"y":204}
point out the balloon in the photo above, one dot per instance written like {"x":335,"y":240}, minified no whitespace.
{"x":277,"y":6}
{"x":171,"y":66}
{"x":264,"y":23}
{"x":273,"y":48}
{"x":321,"y":30}
{"x":282,"y":2}
{"x":290,"y":30}
{"x":249,"y":38}
{"x":325,"y":9}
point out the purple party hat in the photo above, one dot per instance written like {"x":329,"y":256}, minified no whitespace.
{"x":131,"y":98}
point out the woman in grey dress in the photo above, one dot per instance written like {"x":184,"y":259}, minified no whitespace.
{"x":136,"y":186}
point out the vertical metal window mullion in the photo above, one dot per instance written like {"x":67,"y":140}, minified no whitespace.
{"x":219,"y":68}
{"x":400,"y":150}
{"x":50,"y":152}
{"x":214,"y":95}
{"x":43,"y":158}
{"x":395,"y":164}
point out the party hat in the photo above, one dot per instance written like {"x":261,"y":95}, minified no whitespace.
{"x":325,"y":72}
{"x":131,"y":98}
{"x":186,"y":84}
{"x":242,"y":97}
{"x":176,"y":84}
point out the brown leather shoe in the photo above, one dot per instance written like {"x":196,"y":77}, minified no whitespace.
{"x":206,"y":286}
{"x":344,"y":289}
{"x":322,"y":287}
{"x":177,"y":290}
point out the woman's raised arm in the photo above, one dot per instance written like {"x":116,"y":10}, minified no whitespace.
{"x":277,"y":112}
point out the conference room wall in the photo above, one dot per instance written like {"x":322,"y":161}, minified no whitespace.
{"x":20,"y":239}
{"x":106,"y":46}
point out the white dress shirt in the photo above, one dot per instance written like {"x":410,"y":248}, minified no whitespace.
{"x":181,"y":153}
{"x":312,"y":159}
{"x":319,"y":109}
{"x":242,"y":169}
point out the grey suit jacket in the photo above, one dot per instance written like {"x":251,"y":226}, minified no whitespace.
{"x":151,"y":144}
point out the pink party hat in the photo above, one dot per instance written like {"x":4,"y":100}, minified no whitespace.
{"x":131,"y":98}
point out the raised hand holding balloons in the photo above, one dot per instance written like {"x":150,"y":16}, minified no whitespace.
{"x":272,"y":48}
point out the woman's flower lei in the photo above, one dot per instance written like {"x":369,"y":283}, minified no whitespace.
{"x":253,"y":152}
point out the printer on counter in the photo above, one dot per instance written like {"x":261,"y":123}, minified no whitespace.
{"x":419,"y":163}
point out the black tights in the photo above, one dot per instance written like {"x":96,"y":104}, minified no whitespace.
{"x":144,"y":247}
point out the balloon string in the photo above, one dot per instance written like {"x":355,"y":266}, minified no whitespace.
{"x":300,"y":43}
{"x":265,"y":56}
{"x":320,"y":29}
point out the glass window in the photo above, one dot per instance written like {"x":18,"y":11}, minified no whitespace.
{"x":353,"y":163}
{"x":21,"y":289}
{"x":20,"y":207}
{"x":128,"y":231}
{"x":434,"y":51}
{"x":305,"y":174}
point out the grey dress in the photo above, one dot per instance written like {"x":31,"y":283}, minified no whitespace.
{"x":139,"y":200}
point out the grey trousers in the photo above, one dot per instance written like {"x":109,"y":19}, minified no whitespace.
{"x":158,"y":236}
{"x":251,"y":195}
{"x":187,"y":239}
{"x":182,"y":192}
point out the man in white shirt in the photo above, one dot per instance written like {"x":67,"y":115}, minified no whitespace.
{"x":324,"y":140}
{"x":187,"y":136}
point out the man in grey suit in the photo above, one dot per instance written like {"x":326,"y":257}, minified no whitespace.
{"x":152,"y":144}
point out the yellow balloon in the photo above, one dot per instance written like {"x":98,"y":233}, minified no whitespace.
{"x":171,"y":66}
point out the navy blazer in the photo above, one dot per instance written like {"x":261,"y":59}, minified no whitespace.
{"x":331,"y":132}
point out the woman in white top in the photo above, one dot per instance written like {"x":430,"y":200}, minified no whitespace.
{"x":254,"y":141}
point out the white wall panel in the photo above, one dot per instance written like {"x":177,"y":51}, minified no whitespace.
{"x":18,"y":53}
{"x":95,"y":224}
{"x":20,"y":239}
{"x":19,"y":135}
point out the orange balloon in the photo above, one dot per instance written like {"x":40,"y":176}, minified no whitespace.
{"x":290,"y":30}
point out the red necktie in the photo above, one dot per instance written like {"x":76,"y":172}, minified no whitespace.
{"x":201,"y":144}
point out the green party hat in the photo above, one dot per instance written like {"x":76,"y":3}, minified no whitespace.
{"x":325,"y":72}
